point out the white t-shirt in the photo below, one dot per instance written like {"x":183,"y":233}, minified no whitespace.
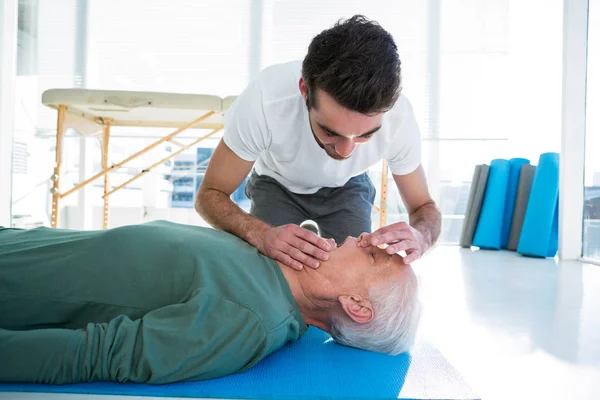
{"x":268,"y":124}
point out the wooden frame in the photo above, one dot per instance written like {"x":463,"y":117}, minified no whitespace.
{"x":95,"y":112}
{"x":382,"y":209}
{"x":106,"y":169}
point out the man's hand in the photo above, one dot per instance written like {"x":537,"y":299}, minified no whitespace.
{"x":294,"y":246}
{"x":399,"y":236}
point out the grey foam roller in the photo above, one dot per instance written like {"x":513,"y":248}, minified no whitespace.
{"x":465,"y":239}
{"x":525,"y":182}
{"x":474,"y":203}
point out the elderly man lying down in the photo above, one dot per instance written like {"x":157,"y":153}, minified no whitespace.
{"x":162,"y":302}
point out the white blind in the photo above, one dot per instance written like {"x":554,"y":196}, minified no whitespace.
{"x":20,"y":158}
{"x":178,"y":46}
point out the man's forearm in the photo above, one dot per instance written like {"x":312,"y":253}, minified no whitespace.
{"x":218,"y":210}
{"x":427,"y":219}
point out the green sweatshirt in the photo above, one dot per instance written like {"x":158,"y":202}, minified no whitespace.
{"x":152,"y":303}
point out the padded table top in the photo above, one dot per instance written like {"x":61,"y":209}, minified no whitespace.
{"x":86,"y":109}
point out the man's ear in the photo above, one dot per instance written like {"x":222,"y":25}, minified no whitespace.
{"x":303,"y":88}
{"x":357,"y":308}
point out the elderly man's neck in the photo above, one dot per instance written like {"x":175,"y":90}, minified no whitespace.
{"x":312,"y":294}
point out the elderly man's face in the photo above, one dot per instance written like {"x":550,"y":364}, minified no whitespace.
{"x":368,"y":267}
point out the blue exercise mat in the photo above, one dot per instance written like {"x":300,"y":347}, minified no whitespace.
{"x":312,"y":367}
{"x":539,"y":235}
{"x":488,"y":234}
{"x":514,"y":165}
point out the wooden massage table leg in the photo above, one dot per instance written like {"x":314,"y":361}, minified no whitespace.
{"x":384,"y":192}
{"x":105,"y":138}
{"x":139,"y":153}
{"x":60,"y":131}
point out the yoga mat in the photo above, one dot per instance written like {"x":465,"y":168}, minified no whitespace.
{"x":488,"y":234}
{"x":539,"y":235}
{"x":312,"y":367}
{"x":525,"y":182}
{"x":514,"y":173}
{"x":476,"y":192}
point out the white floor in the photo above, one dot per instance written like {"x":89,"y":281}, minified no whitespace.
{"x":514,"y":327}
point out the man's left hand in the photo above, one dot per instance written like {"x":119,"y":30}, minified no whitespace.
{"x":398,"y":236}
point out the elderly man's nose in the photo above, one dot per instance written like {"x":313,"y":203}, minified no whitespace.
{"x":349,"y":239}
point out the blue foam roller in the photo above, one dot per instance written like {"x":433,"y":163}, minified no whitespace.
{"x":539,"y":235}
{"x":514,"y":173}
{"x":488,"y":234}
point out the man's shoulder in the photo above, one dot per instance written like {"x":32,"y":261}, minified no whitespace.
{"x":279,"y":82}
{"x":397,"y":117}
{"x":402,"y":108}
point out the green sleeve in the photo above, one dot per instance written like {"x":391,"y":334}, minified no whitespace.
{"x":204,"y":338}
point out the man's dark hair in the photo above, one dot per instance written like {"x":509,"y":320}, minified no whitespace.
{"x":357,"y":63}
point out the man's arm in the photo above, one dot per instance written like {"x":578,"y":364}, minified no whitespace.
{"x":289,"y":244}
{"x":424,"y":214}
{"x":224,"y":174}
{"x":425,"y":220}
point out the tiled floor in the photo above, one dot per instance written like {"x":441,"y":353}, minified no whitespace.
{"x":514,"y":327}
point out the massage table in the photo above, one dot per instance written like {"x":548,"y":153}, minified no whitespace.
{"x":95,"y":112}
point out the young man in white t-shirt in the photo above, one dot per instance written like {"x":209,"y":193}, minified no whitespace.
{"x":311,"y":129}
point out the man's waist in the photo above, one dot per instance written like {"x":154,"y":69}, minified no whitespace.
{"x":295,"y":186}
{"x":300,"y":187}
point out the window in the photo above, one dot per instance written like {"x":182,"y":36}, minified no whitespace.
{"x":20,"y":158}
{"x":183,"y":196}
{"x":186,"y":181}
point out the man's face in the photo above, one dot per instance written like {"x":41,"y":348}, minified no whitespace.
{"x":366,"y":267}
{"x":335,"y":128}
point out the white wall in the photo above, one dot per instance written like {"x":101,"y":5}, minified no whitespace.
{"x":8,"y":48}
{"x":573,"y":129}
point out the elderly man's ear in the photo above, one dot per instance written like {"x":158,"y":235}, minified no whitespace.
{"x":357,"y":308}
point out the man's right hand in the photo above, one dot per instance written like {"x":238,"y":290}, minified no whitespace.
{"x":294,"y":246}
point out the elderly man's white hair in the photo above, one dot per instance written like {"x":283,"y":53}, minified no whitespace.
{"x":393,"y":328}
